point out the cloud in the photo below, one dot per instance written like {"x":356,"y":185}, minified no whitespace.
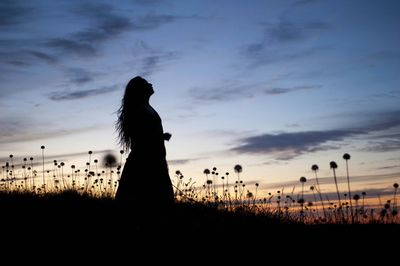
{"x":79,"y":76}
{"x":287,"y":31}
{"x":72,"y":47}
{"x":74,"y":95}
{"x":18,"y":63}
{"x":389,"y":145}
{"x":263,"y":56}
{"x":11,"y":13}
{"x":147,"y":2}
{"x":284,"y":32}
{"x":381,"y":120}
{"x":371,"y":193}
{"x":179,"y":162}
{"x":183,"y":161}
{"x":292,"y":125}
{"x":388,"y":167}
{"x":281,"y":90}
{"x":108,"y":24}
{"x":154,"y":62}
{"x":22,"y":58}
{"x":152,"y":21}
{"x":223,"y":93}
{"x":287,"y":146}
{"x":305,"y":2}
{"x":277,"y":42}
{"x":366,"y":180}
{"x":16,"y":129}
{"x":50,"y":59}
{"x":383,"y":128}
{"x":384,"y":143}
{"x":229,"y":93}
{"x":105,"y":24}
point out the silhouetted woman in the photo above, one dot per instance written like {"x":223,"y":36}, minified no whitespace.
{"x":145,"y":185}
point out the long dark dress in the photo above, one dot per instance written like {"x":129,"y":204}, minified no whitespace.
{"x":145,"y":184}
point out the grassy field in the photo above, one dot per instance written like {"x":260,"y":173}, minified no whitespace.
{"x":70,"y":213}
{"x":64,"y":205}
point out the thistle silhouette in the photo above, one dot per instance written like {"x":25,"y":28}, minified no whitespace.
{"x":346,"y":156}
{"x":315,"y":168}
{"x":334,"y":167}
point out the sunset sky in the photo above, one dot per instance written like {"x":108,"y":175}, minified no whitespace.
{"x":274,"y":86}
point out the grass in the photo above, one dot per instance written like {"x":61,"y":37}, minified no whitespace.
{"x":68,"y":225}
{"x":71,"y":203}
{"x":80,"y":213}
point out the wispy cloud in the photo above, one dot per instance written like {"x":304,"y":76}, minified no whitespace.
{"x":149,"y":59}
{"x":275,"y":44}
{"x":305,"y":2}
{"x":18,"y":63}
{"x":74,"y":95}
{"x":223,"y":93}
{"x":385,"y":180}
{"x":263,"y":56}
{"x":108,"y":24}
{"x":282,"y":90}
{"x":79,"y":76}
{"x":182,"y":161}
{"x":286,"y":146}
{"x":287,"y":31}
{"x":70,"y":46}
{"x":154,"y":62}
{"x":16,"y":129}
{"x":13,"y":13}
{"x":384,"y":143}
{"x":388,"y":167}
{"x":229,"y":93}
{"x":371,"y":193}
{"x":147,"y":2}
{"x":45,"y":57}
{"x":153,"y":21}
{"x":24,"y":57}
{"x":381,"y":120}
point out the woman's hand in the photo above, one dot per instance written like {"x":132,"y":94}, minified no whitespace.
{"x":167,"y":136}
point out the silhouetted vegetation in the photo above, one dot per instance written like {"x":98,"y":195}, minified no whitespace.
{"x":80,"y":201}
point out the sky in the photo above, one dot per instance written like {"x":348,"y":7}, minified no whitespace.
{"x":275,"y":86}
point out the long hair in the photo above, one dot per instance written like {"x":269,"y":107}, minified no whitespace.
{"x":134,"y":98}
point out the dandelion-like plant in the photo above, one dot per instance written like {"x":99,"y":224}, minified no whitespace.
{"x":44,"y":181}
{"x":303,"y":179}
{"x":32,"y":176}
{"x":238,"y":169}
{"x":301,"y":201}
{"x":315,"y":169}
{"x":334,"y":167}
{"x":356,"y":199}
{"x":396,"y":186}
{"x":346,"y":156}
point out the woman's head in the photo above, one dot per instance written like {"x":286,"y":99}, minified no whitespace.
{"x":138,"y":90}
{"x":137,"y":93}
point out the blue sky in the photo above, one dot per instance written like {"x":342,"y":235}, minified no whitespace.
{"x":275,"y":86}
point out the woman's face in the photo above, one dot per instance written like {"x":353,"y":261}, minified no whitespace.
{"x":147,"y":87}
